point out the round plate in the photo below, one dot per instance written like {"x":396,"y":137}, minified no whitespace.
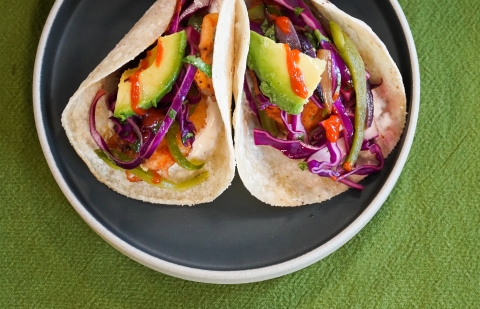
{"x":236,"y":238}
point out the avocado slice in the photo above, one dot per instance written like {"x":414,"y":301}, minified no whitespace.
{"x":155,"y":82}
{"x":269,"y":61}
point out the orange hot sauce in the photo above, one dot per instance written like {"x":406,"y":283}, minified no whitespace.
{"x":158,"y":56}
{"x":135,"y":91}
{"x":332,"y":128}
{"x":156,"y":178}
{"x":297,"y":81}
{"x":283,"y":23}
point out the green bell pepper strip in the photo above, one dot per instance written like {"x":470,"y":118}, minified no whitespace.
{"x":147,"y":176}
{"x":354,"y":62}
{"x":256,"y":13}
{"x":267,"y":123}
{"x":175,"y":150}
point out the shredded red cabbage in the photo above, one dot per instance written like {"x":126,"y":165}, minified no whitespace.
{"x":175,"y":22}
{"x":112,"y":100}
{"x":194,"y":7}
{"x":294,"y":149}
{"x":249,"y":98}
{"x":124,"y":130}
{"x":346,"y":122}
{"x":187,"y":128}
{"x":296,"y":130}
{"x":370,"y":106}
{"x":256,"y":27}
{"x":193,"y":37}
{"x":306,"y":46}
{"x":101,"y":142}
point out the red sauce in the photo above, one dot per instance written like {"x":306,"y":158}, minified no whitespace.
{"x":332,"y":128}
{"x":156,"y":178}
{"x":283,"y":23}
{"x":135,"y":91}
{"x":297,"y":81}
{"x":132,"y":178}
{"x":158,"y":56}
{"x":348,"y":166}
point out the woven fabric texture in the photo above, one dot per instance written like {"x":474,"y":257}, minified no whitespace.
{"x":421,"y":250}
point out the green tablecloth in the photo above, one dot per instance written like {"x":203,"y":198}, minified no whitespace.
{"x":420,"y":250}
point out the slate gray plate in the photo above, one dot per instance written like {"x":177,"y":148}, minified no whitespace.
{"x":236,"y":238}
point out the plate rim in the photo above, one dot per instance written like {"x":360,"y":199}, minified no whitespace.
{"x":238,"y":276}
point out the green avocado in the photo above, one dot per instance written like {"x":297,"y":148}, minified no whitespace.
{"x":269,"y":61}
{"x":155,"y":81}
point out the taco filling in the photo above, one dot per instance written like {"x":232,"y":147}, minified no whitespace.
{"x":311,"y":95}
{"x":163,"y":109}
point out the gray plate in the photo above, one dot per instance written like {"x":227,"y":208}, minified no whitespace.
{"x":235,"y":232}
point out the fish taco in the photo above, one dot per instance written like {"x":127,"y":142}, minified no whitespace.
{"x":152,"y":121}
{"x":319,"y":101}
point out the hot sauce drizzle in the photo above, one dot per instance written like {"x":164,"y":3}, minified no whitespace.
{"x":283,"y":23}
{"x":297,"y":81}
{"x":156,"y":178}
{"x":131,"y":177}
{"x":158,"y":57}
{"x":136,"y":89}
{"x":332,"y":128}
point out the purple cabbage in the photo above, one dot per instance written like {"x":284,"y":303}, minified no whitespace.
{"x":175,"y":22}
{"x":306,"y":46}
{"x":249,"y":98}
{"x":370,"y":106}
{"x":368,"y":169}
{"x":193,"y":37}
{"x":306,"y":14}
{"x":101,"y":142}
{"x":296,"y":130}
{"x":112,"y":100}
{"x":327,"y":159}
{"x":256,"y":27}
{"x":294,"y":149}
{"x":124,"y":130}
{"x":187,"y":128}
{"x":194,"y":7}
{"x":346,"y":122}
{"x":264,"y":101}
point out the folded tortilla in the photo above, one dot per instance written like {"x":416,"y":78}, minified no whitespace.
{"x":75,"y":119}
{"x":266,"y":172}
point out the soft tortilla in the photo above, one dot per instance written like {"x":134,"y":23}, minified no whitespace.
{"x":75,"y":118}
{"x":266,"y":172}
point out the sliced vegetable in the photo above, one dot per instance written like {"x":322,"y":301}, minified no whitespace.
{"x":354,"y":61}
{"x":256,"y":13}
{"x":148,"y":177}
{"x":176,"y":152}
{"x":266,"y":122}
{"x":198,"y":62}
{"x":294,"y":149}
{"x":194,"y":7}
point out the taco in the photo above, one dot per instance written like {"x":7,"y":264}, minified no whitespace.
{"x":319,"y":101}
{"x":152,"y":121}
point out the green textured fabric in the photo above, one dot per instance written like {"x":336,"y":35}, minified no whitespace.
{"x":420,"y":251}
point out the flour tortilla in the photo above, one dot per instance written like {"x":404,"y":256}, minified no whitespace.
{"x":266,"y":172}
{"x":75,"y":118}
